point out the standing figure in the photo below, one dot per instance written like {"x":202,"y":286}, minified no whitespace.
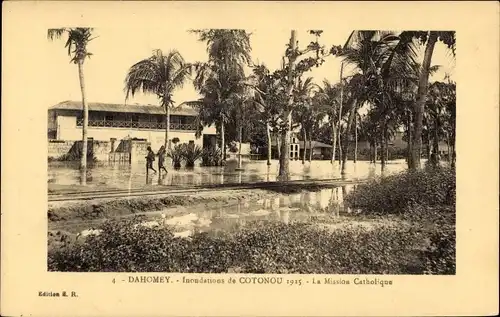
{"x":161,"y":159}
{"x":149,"y":160}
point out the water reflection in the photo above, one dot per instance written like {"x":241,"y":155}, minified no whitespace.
{"x":286,"y":208}
{"x":118,"y":175}
{"x":306,"y":206}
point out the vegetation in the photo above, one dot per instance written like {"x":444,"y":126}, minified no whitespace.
{"x":77,"y":42}
{"x":160,"y":75}
{"x":211,"y":157}
{"x":398,"y":194}
{"x":183,"y":152}
{"x":192,"y":153}
{"x":260,"y":247}
{"x":177,"y":155}
{"x":427,"y":198}
{"x":387,"y":78}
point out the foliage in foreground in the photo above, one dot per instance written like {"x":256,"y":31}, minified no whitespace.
{"x":401,"y":193}
{"x":261,"y":247}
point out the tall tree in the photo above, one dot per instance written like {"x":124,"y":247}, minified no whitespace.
{"x":160,"y":75}
{"x":285,"y":146}
{"x":303,"y":113}
{"x":367,"y":51}
{"x":430,"y":38}
{"x":329,"y":95}
{"x":219,"y":78}
{"x":291,"y":72}
{"x":76,"y":43}
{"x":269,"y":95}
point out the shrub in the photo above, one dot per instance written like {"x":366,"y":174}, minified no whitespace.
{"x":400,"y":192}
{"x":211,"y":157}
{"x":260,"y":247}
{"x":191,"y":154}
{"x":177,"y":155}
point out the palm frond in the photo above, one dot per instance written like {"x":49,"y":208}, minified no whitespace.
{"x":53,"y":34}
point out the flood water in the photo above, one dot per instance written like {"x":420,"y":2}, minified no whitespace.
{"x":125,"y":176}
{"x":305,"y":206}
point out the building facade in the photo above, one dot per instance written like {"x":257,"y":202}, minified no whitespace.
{"x":114,"y":122}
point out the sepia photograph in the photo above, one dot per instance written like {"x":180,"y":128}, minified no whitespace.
{"x":241,"y":158}
{"x":276,"y":151}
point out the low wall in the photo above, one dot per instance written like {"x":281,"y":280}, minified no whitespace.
{"x":124,"y":150}
{"x":57,"y":148}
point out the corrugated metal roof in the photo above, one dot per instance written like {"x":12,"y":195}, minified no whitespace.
{"x":315,"y":144}
{"x":129,"y":108}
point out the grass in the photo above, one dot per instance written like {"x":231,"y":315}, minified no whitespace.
{"x":410,"y":229}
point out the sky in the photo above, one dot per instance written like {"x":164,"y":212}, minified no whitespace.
{"x":116,"y":49}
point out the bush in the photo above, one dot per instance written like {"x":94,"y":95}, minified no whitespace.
{"x":399,"y":193}
{"x":259,"y":247}
{"x":177,"y":155}
{"x":211,"y":157}
{"x":191,"y":154}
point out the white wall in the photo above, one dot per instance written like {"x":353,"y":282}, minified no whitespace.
{"x":67,"y":130}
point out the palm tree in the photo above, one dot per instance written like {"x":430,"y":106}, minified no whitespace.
{"x":160,"y":75}
{"x":368,"y":51}
{"x":77,"y":41}
{"x":329,"y":95}
{"x":430,"y":38}
{"x":268,"y":95}
{"x":285,"y":146}
{"x":303,"y":112}
{"x":221,"y":77}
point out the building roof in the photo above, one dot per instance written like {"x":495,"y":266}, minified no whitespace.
{"x":123,"y":108}
{"x":315,"y":145}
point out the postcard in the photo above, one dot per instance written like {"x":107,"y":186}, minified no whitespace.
{"x":249,"y":158}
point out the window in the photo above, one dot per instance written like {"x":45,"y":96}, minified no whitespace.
{"x":135,"y":118}
{"x":108,"y":117}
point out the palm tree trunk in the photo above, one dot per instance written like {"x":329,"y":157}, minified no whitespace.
{"x":355,"y":138}
{"x":310,"y":147}
{"x":371,"y":152}
{"x":382,"y":149}
{"x":269,"y":149}
{"x":334,"y":139}
{"x":410,"y":141}
{"x":278,"y":145}
{"x":304,"y":137}
{"x":223,"y":140}
{"x":167,"y":126}
{"x":428,"y":147}
{"x":239,"y":146}
{"x":340,"y":146}
{"x":448,"y":147}
{"x":435,"y":144}
{"x":375,"y":153}
{"x":83,"y":162}
{"x":386,"y":146}
{"x":345,"y":144}
{"x":340,"y":112}
{"x":285,"y":154}
{"x":420,"y":104}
